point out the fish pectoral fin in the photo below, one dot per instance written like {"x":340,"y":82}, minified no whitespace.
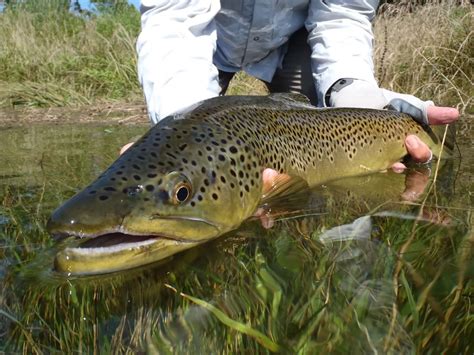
{"x":280,"y":186}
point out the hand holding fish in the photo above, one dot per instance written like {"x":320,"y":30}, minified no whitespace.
{"x":363,"y":94}
{"x":417,"y":149}
{"x":175,"y":187}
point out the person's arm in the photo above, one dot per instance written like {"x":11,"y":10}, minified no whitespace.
{"x":175,"y":51}
{"x":341,"y":38}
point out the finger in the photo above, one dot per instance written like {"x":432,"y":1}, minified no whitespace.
{"x":441,"y":115}
{"x":125,"y":147}
{"x":272,"y":179}
{"x":398,"y":167}
{"x":415,"y":184}
{"x":437,"y":216}
{"x":265,"y":218}
{"x":417,"y":149}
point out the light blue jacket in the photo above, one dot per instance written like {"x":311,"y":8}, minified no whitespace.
{"x":184,"y":42}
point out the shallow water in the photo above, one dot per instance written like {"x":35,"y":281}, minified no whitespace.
{"x":347,"y":267}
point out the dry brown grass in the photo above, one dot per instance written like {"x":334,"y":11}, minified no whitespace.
{"x":427,"y":52}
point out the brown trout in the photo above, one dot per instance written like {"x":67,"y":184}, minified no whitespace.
{"x":193,"y":177}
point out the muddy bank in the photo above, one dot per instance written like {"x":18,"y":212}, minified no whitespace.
{"x":121,"y":113}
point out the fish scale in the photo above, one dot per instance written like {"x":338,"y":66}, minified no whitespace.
{"x":197,"y":175}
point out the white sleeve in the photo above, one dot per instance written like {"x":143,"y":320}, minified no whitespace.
{"x":175,"y":52}
{"x":341,"y":38}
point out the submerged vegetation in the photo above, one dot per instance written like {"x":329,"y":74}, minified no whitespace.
{"x":401,"y":282}
{"x":79,"y":59}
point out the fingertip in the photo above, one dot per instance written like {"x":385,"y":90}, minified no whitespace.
{"x":412,"y":143}
{"x":417,"y":149}
{"x":398,"y":167}
{"x":442,"y":115}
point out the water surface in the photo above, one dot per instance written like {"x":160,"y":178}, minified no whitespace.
{"x":346,"y":267}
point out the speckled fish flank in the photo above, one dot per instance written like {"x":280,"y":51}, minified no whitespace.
{"x":192,"y":178}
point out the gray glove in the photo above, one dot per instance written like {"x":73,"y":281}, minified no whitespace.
{"x":360,"y":93}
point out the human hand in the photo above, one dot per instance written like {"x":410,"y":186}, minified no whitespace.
{"x":359,"y":93}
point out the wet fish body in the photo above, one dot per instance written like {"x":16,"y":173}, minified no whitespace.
{"x":195,"y":177}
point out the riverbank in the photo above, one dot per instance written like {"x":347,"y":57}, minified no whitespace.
{"x":120,"y":113}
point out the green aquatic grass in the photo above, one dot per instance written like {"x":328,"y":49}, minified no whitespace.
{"x":282,"y":285}
{"x":407,"y":288}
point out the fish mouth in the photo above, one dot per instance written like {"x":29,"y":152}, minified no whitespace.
{"x":117,"y":249}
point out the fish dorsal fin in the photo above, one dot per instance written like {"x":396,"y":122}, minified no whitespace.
{"x":281,"y":101}
{"x":291,"y":100}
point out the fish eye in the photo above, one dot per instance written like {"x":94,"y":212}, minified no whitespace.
{"x":182,"y":192}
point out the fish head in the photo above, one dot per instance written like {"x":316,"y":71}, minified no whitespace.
{"x":180,"y":185}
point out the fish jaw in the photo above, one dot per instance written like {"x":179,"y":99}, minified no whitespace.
{"x":100,"y":260}
{"x":101,"y":253}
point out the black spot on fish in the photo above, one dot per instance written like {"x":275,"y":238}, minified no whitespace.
{"x":163,"y":195}
{"x":149,"y":187}
{"x":103,"y":197}
{"x":109,"y":188}
{"x":137,"y":177}
{"x":215,"y":196}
